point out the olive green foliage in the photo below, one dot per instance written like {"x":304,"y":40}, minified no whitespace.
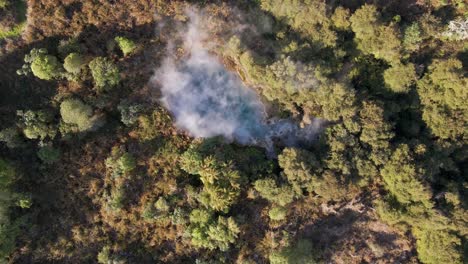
{"x":374,"y":37}
{"x":48,"y":154}
{"x":46,"y":67}
{"x":116,"y":199}
{"x":404,"y":180}
{"x":336,"y":100}
{"x":268,"y":189}
{"x":41,"y":64}
{"x":222,"y":170}
{"x":400,"y":77}
{"x":210,"y":232}
{"x":340,"y":18}
{"x":156,"y":210}
{"x":77,"y":113}
{"x":120,"y":163}
{"x":105,"y":73}
{"x":438,"y":246}
{"x":278,"y":213}
{"x":300,"y":168}
{"x":306,"y":16}
{"x":444,"y":95}
{"x":103,"y":256}
{"x":382,"y":79}
{"x":221,"y":181}
{"x":73,"y":63}
{"x":38,"y":124}
{"x":377,"y":131}
{"x":129,"y":113}
{"x":412,"y":36}
{"x":4,"y":3}
{"x":126,"y":45}
{"x":301,"y":253}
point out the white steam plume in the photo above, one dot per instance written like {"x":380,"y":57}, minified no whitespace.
{"x":207,"y":100}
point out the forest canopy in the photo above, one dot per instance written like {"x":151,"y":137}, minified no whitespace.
{"x":268,"y":131}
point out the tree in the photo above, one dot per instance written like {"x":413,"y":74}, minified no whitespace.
{"x":120,"y":163}
{"x":300,"y":168}
{"x":46,"y":67}
{"x":438,"y":246}
{"x":38,"y":124}
{"x":126,"y":45}
{"x":403,"y":179}
{"x":277,"y":213}
{"x":129,"y":112}
{"x":77,"y":113}
{"x":301,"y":253}
{"x":376,"y":131}
{"x":443,"y":96}
{"x":372,"y":36}
{"x":269,"y":190}
{"x":221,"y":184}
{"x":340,"y":18}
{"x":105,"y":73}
{"x":337,"y":101}
{"x":222,"y":170}
{"x":457,"y":29}
{"x":412,"y":36}
{"x":73,"y":63}
{"x":309,"y":17}
{"x":400,"y":77}
{"x":210,"y":232}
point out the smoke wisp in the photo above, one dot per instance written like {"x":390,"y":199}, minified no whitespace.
{"x":207,"y":100}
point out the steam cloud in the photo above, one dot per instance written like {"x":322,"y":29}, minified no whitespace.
{"x":207,"y":100}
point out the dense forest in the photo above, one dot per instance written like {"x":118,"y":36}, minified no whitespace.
{"x":248,"y":131}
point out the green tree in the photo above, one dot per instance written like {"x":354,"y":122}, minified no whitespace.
{"x":120,"y":163}
{"x":300,"y":168}
{"x":46,"y":67}
{"x":210,"y":232}
{"x":77,"y":113}
{"x":438,"y":246}
{"x":337,"y":101}
{"x":38,"y":124}
{"x":301,"y":253}
{"x":376,"y":131}
{"x":444,"y":95}
{"x":269,"y":190}
{"x":126,"y":45}
{"x":221,"y":184}
{"x":129,"y":112}
{"x":277,"y":213}
{"x":340,"y":18}
{"x":372,"y":36}
{"x":73,"y":63}
{"x":105,"y":73}
{"x":309,"y":17}
{"x":400,"y":77}
{"x":403,"y":178}
{"x":412,"y":36}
